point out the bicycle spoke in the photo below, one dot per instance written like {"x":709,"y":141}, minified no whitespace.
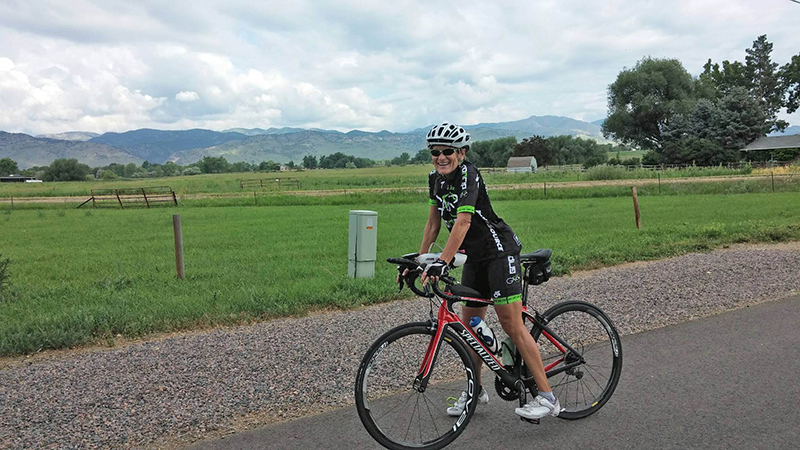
{"x":404,"y":417}
{"x":593,"y":378}
{"x":433,"y":421}
{"x":398,"y":405}
{"x":586,"y":386}
{"x":412,"y":419}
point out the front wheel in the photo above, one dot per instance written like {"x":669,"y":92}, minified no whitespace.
{"x":397,"y":414}
{"x":583,"y":378}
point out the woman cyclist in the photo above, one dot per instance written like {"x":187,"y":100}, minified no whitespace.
{"x":458,"y":197}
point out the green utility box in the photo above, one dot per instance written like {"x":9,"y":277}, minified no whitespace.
{"x":363,"y":245}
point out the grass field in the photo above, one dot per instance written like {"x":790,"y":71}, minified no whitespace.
{"x":627,"y":155}
{"x":376,"y":177}
{"x":83,"y":276}
{"x":734,"y":185}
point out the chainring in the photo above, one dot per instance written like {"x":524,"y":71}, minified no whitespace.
{"x":505,"y":392}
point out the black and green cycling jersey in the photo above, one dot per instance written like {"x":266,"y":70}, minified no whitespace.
{"x":463,"y":190}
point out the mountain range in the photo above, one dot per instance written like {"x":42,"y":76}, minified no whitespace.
{"x":255,"y":144}
{"x":794,"y":129}
{"x":30,"y":151}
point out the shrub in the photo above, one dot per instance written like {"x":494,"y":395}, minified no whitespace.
{"x":652,"y":158}
{"x":191,"y":171}
{"x":107,"y":175}
{"x":605,"y":172}
{"x":66,"y":170}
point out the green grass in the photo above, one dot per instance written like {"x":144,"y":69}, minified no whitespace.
{"x":739,"y":185}
{"x":627,"y":155}
{"x":84,"y":276}
{"x":334,"y":179}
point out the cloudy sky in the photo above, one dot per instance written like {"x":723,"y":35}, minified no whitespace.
{"x":116,"y":65}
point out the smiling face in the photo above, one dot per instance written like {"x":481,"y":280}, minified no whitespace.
{"x":446,"y":164}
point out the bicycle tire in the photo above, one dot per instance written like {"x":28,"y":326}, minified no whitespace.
{"x":584,"y":389}
{"x":385,"y":378}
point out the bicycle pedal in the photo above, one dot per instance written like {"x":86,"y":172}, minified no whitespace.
{"x":533,"y":421}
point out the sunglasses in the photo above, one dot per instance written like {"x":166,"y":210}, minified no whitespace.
{"x":447,"y":152}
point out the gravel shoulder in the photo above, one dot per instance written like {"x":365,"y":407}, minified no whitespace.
{"x":182,"y":388}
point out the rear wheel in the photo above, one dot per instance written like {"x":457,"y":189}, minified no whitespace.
{"x":584,"y":379}
{"x":396,"y":413}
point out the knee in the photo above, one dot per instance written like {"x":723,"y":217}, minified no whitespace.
{"x":513,"y":328}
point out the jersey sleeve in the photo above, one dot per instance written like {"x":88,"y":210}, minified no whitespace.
{"x":431,"y":188}
{"x":470,"y":187}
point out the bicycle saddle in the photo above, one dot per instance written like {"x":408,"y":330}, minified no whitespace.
{"x":539,"y":256}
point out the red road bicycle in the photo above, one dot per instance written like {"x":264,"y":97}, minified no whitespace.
{"x":409,"y":374}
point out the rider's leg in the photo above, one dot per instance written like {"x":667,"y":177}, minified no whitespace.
{"x":468,"y":313}
{"x":510,"y":316}
{"x":475,"y":276}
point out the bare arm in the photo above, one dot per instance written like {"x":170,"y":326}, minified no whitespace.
{"x":431,"y":231}
{"x":460,"y":228}
{"x":457,"y":234}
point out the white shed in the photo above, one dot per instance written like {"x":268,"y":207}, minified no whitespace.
{"x":522,"y":164}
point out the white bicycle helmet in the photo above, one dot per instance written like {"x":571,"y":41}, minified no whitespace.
{"x":448,"y":134}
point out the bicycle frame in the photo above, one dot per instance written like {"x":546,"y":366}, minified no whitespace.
{"x":447,"y":317}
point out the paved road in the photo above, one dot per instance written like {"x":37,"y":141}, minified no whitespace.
{"x":727,"y":381}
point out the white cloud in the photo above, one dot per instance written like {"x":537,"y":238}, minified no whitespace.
{"x":187,"y":96}
{"x":96,"y":66}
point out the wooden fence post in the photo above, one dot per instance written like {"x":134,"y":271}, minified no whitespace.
{"x":636,"y":208}
{"x":176,"y":226}
{"x":545,"y":189}
{"x":145,"y":198}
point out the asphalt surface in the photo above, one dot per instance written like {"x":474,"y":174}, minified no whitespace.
{"x":725,"y":381}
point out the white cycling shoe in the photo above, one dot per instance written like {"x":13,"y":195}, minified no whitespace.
{"x":538,"y":408}
{"x":458,"y":407}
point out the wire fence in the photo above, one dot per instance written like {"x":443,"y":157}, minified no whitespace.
{"x":658,"y":167}
{"x":278,"y":184}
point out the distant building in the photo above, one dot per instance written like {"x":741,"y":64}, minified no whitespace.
{"x":522,"y":164}
{"x":18,"y":179}
{"x":773,"y":143}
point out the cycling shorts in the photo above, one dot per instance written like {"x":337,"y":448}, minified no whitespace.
{"x":499,"y":279}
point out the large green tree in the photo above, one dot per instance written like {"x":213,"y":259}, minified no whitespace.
{"x":702,"y":152}
{"x":210,"y":164}
{"x":269,"y":166}
{"x":725,"y":126}
{"x":790,"y":81}
{"x":8,"y":166}
{"x":539,"y":148}
{"x":423,"y":156}
{"x":492,"y":153}
{"x":764,"y":80}
{"x":575,"y":150}
{"x":643,"y":99}
{"x":66,"y":170}
{"x":310,"y":162}
{"x":401,"y":160}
